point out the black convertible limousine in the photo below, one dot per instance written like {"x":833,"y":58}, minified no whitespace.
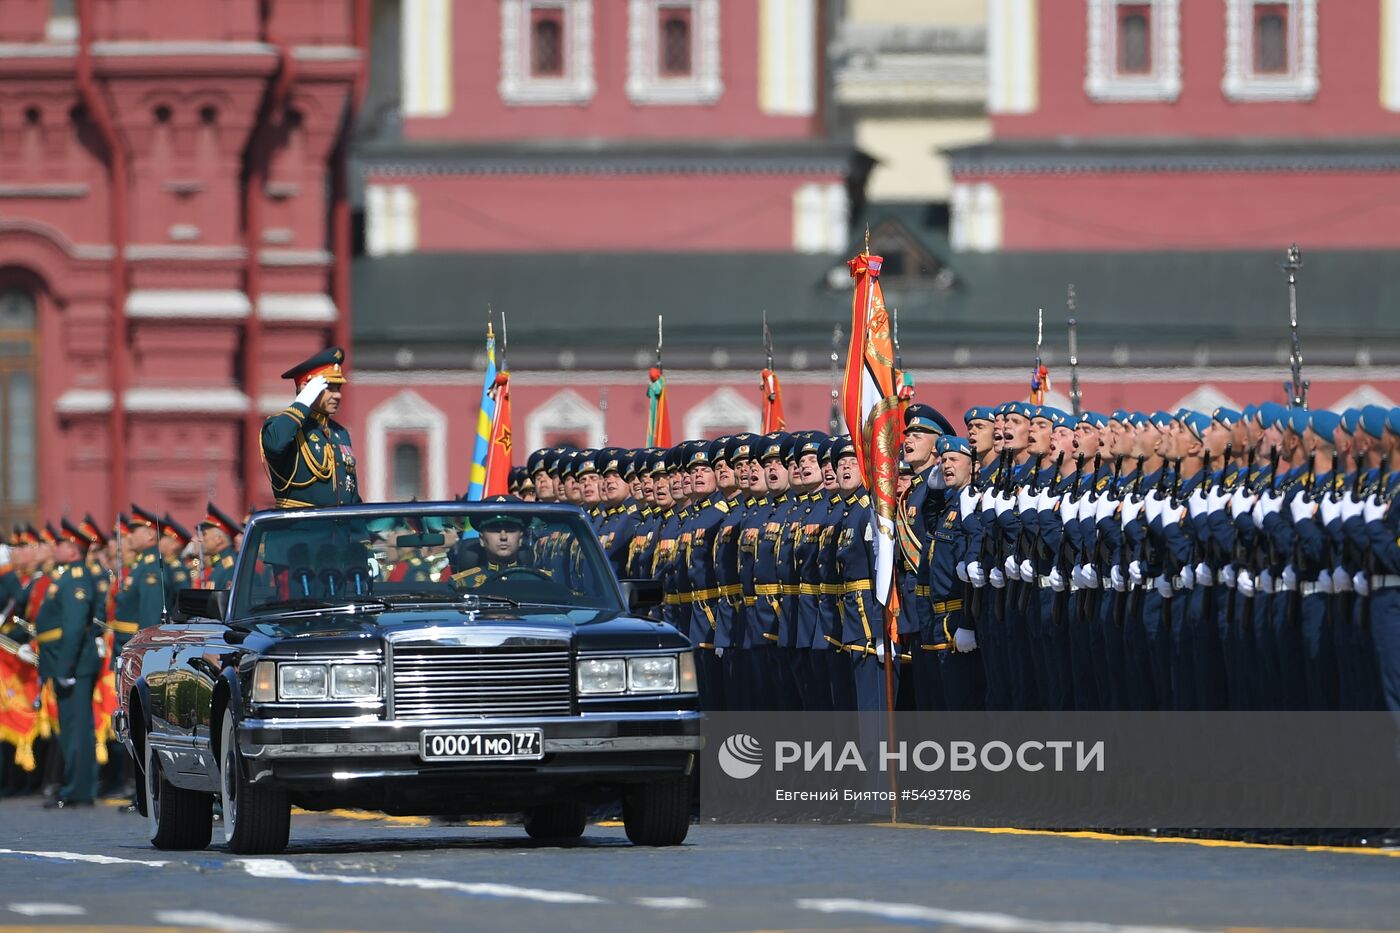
{"x":416,"y":659}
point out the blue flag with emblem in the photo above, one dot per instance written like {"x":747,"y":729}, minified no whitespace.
{"x":485,"y":418}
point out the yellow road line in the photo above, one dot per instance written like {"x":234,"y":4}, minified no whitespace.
{"x":1177,"y":840}
{"x":366,"y":816}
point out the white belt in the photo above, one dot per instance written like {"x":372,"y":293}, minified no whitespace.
{"x":1044,"y":582}
{"x":1151,"y":582}
{"x":1281,"y":586}
{"x":1385,"y":581}
{"x":1308,"y":589}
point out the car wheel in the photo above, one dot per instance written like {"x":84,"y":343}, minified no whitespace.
{"x":257,"y":819}
{"x":556,"y":821}
{"x":658,"y":813}
{"x":177,"y":818}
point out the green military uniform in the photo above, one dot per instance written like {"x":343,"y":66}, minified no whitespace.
{"x":141,"y":600}
{"x":218,"y":571}
{"x":221,"y":570}
{"x":307,"y":454}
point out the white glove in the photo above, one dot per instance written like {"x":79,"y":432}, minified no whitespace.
{"x":1057,"y":580}
{"x":1088,"y":577}
{"x":1217,"y":499}
{"x":880,"y":651}
{"x":1265,"y":582}
{"x":1204,"y":575}
{"x":1244,"y":583}
{"x":1105,"y":508}
{"x":1135,"y":572}
{"x":1361,"y":583}
{"x":1004,"y":504}
{"x":988,"y":499}
{"x":1044,"y":501}
{"x":312,"y":390}
{"x":962,"y":571}
{"x":1341,"y":580}
{"x":1154,"y":506}
{"x":1069,"y":508}
{"x":997,"y":578}
{"x":1301,"y":508}
{"x":26,"y":654}
{"x":1011,"y":567}
{"x":967,"y":500}
{"x":975,"y":574}
{"x":1132,"y":508}
{"x":1351,"y":508}
{"x":1242,"y":503}
{"x":1271,"y":504}
{"x":1164,"y":586}
{"x":1025,"y":500}
{"x":1171,"y":514}
{"x":1115,"y":576}
{"x":1027,"y":571}
{"x":1289,"y":577}
{"x":1374,"y":508}
{"x":1324,"y":582}
{"x":965,"y":640}
{"x":1329,"y":510}
{"x":1188,"y":576}
{"x":1227,"y":575}
{"x":719,"y":651}
{"x":1196,"y":503}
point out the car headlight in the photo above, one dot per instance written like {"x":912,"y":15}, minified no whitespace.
{"x":602,"y":675}
{"x":355,"y":681}
{"x":651,"y":675}
{"x":301,"y":681}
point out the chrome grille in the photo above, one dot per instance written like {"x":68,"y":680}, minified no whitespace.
{"x":435,"y":681}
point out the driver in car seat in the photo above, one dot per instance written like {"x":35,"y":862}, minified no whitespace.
{"x":499,"y":551}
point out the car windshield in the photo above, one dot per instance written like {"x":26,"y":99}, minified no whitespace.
{"x":509,"y":554}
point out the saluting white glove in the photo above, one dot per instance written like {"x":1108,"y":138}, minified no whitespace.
{"x":1027,"y":571}
{"x":1196,"y":503}
{"x":1341,"y":580}
{"x":1351,"y":508}
{"x":1289,"y":577}
{"x":1115,"y":577}
{"x":1205,"y":576}
{"x":1361,"y":583}
{"x":1244,"y":583}
{"x":1301,"y":508}
{"x":967,"y":500}
{"x":1011,"y":567}
{"x":1373,"y":509}
{"x":1164,"y":586}
{"x":1135,"y":572}
{"x":962,"y":571}
{"x":1153,"y":508}
{"x":1329,"y":510}
{"x":312,"y":390}
{"x":1227,"y":575}
{"x":997,"y":578}
{"x":965,"y":640}
{"x":26,"y":654}
{"x":975,"y":574}
{"x":1132,"y":508}
{"x":1242,"y":503}
{"x":1265,"y":581}
{"x":1188,"y":576}
{"x":1057,"y":580}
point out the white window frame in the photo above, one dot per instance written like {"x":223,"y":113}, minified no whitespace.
{"x":1102,"y":81}
{"x":405,"y":413}
{"x":1301,"y":81}
{"x":518,"y":86}
{"x":564,"y":411}
{"x":645,"y":83}
{"x":722,"y":408}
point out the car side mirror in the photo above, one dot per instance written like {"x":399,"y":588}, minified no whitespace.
{"x":201,"y":604}
{"x":642,"y":595}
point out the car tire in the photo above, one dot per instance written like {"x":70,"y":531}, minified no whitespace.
{"x":658,"y":813}
{"x":565,"y":820}
{"x":257,"y":819}
{"x":177,"y":818}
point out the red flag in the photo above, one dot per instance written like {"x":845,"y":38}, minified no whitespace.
{"x":872,"y":410}
{"x":773,"y":418}
{"x":658,"y":411}
{"x":498,"y":453}
{"x":19,"y":721}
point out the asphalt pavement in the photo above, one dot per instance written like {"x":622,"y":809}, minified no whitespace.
{"x":93,"y":869}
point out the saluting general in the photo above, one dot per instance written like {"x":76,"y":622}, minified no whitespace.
{"x":307,"y":452}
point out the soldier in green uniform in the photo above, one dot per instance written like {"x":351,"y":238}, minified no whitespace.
{"x":306,"y":452}
{"x":141,"y":601}
{"x":174,"y":539}
{"x":502,"y":538}
{"x":219,"y":531}
{"x":70,"y":659}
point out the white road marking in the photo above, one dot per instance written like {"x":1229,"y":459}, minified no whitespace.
{"x":279,"y":869}
{"x":47,"y":910}
{"x":86,"y":857}
{"x":211,"y":921}
{"x":973,"y":920}
{"x":670,"y":903}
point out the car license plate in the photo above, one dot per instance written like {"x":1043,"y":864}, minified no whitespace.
{"x":482,"y":745}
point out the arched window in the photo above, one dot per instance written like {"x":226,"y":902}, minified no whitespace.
{"x":1271,"y":39}
{"x":675,"y":42}
{"x":406,"y":471}
{"x":19,"y":454}
{"x":1135,"y":39}
{"x":547,"y":43}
